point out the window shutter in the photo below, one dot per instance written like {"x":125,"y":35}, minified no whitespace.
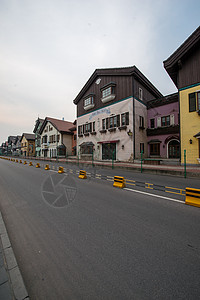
{"x":159,"y":122}
{"x":127,"y":118}
{"x":192,"y":102}
{"x":118,"y":120}
{"x":171,"y":119}
{"x":106,"y":123}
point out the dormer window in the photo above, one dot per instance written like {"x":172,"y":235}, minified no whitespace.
{"x":89,"y":102}
{"x":108,"y":92}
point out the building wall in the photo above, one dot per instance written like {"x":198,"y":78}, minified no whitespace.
{"x":67,"y":141}
{"x":50,"y":146}
{"x":172,"y":110}
{"x":189,"y":126}
{"x":140,"y":133}
{"x":124,"y":148}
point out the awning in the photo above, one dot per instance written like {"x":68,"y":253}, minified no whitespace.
{"x":154,"y":142}
{"x":86,"y":144}
{"x":197,"y":135}
{"x":108,"y":142}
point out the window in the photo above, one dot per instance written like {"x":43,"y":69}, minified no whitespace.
{"x":107,"y":92}
{"x":198,"y":100}
{"x":86,"y":149}
{"x":88,"y":101}
{"x":125,"y":119}
{"x":141,"y":122}
{"x":192,"y":102}
{"x":155,"y":149}
{"x":165,"y":121}
{"x":88,"y":127}
{"x":140,"y":94}
{"x":58,"y":138}
{"x":93,"y":129}
{"x":80,"y":129}
{"x":152,"y":123}
{"x":141,"y":147}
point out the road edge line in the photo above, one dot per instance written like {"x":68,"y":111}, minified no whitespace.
{"x":154,"y":195}
{"x":15,"y":276}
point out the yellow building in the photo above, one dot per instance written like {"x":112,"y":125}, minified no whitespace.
{"x":183,"y":66}
{"x":28,"y":144}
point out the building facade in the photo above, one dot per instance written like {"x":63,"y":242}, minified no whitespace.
{"x":27,"y":144}
{"x":112,"y":114}
{"x":56,"y":138}
{"x":183,"y":66}
{"x":36,"y":130}
{"x":163,"y":127}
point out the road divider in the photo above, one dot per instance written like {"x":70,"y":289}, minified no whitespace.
{"x":16,"y":161}
{"x":25,"y":163}
{"x":61,"y":170}
{"x":37,"y":165}
{"x":192,"y":197}
{"x":30,"y":164}
{"x":20,"y":161}
{"x":119,"y":182}
{"x":82,"y":174}
{"x":47,"y":167}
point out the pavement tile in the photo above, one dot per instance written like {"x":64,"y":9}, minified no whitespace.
{"x":5,"y":241}
{"x":5,"y":292}
{"x":19,"y":289}
{"x":3,"y":275}
{"x":10,"y":258}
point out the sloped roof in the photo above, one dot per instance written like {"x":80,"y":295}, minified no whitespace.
{"x":60,"y":125}
{"x":171,"y":64}
{"x":37,"y":123}
{"x":125,"y":71}
{"x":163,"y":101}
{"x":28,"y":136}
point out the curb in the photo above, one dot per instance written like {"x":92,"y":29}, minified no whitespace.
{"x":16,"y":281}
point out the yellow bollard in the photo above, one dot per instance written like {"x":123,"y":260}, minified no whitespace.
{"x":47,"y":167}
{"x":25,"y":162}
{"x":37,"y":165}
{"x":16,"y":160}
{"x":192,"y":197}
{"x":30,"y":164}
{"x":20,"y":161}
{"x":82,"y":174}
{"x":61,"y":170}
{"x":119,"y":182}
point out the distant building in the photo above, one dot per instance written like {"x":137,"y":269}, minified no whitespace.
{"x":11,"y":143}
{"x":27,"y":144}
{"x":183,"y":66}
{"x":56,"y":138}
{"x":163,"y":127}
{"x":112,"y":114}
{"x":17,"y":146}
{"x":36,"y":130}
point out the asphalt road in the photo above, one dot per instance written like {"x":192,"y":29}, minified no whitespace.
{"x":102,"y":242}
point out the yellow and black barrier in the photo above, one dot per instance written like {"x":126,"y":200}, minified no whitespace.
{"x":192,"y":197}
{"x":37,"y":165}
{"x":30,"y":164}
{"x":20,"y":161}
{"x":61,"y":170}
{"x":16,"y":161}
{"x":25,"y":162}
{"x":119,"y":182}
{"x":47,"y":167}
{"x":82,"y":174}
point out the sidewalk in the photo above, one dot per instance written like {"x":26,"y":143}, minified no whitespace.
{"x":11,"y":283}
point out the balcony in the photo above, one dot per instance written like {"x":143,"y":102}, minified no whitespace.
{"x":163,"y":130}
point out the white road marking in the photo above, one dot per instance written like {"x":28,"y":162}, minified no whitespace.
{"x":153,"y":195}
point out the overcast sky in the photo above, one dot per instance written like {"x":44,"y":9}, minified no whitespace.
{"x":50,"y":48}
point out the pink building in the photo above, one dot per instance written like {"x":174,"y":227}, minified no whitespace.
{"x":163,"y":127}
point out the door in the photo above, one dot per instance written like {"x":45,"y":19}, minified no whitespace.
{"x":109,"y":151}
{"x":174,"y":149}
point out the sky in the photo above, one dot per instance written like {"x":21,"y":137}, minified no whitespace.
{"x":50,"y":48}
